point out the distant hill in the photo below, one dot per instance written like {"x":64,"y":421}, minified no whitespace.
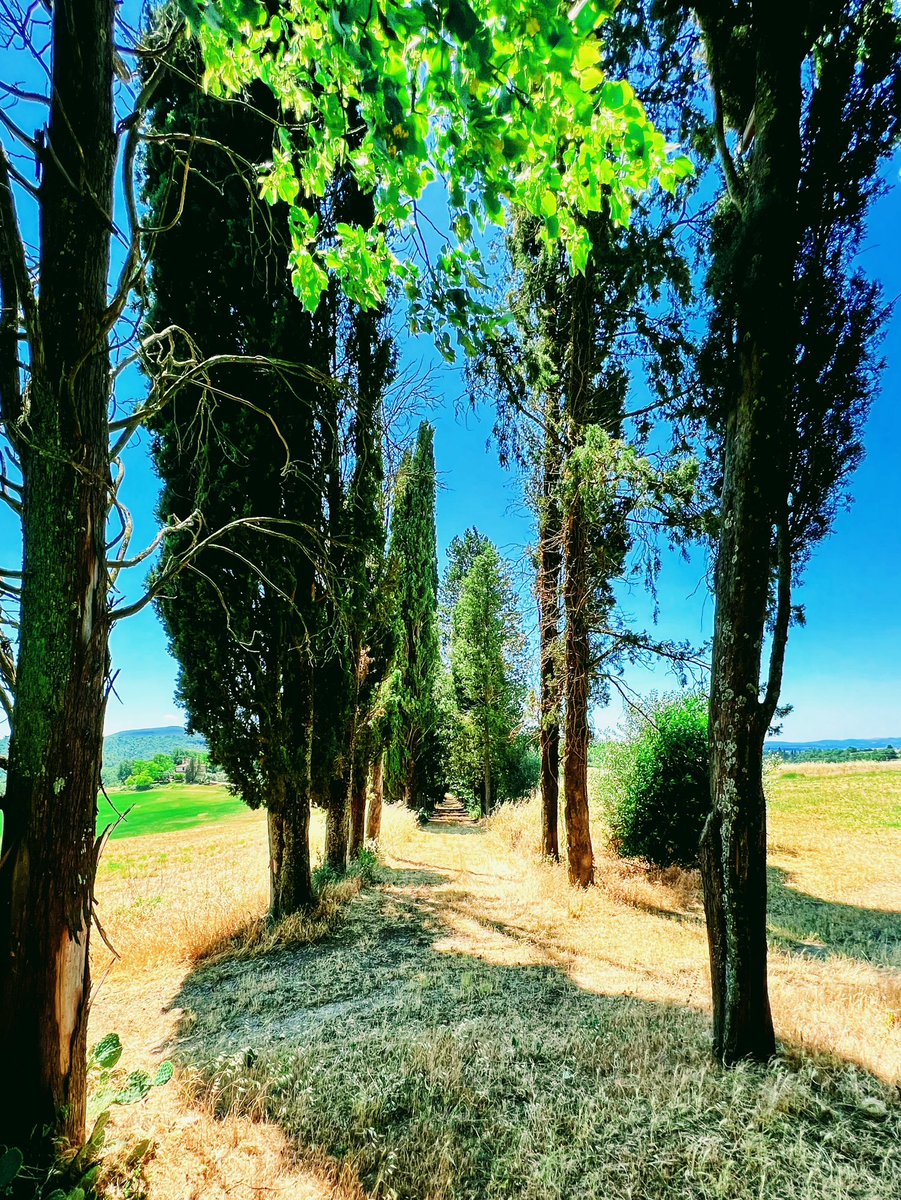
{"x":145,"y":743}
{"x":835,"y":744}
{"x":137,"y":743}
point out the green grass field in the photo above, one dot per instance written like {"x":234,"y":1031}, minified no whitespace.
{"x":167,"y":809}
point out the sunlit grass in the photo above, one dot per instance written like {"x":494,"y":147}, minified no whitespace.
{"x":475,"y":1027}
{"x":168,"y":809}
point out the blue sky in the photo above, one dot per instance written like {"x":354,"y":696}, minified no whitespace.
{"x":843,"y":674}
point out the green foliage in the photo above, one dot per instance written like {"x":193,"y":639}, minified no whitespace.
{"x":512,"y":102}
{"x":123,"y":750}
{"x":489,"y":756}
{"x":462,"y":553}
{"x":657,"y":789}
{"x":243,"y":449}
{"x":410,"y":699}
{"x":75,"y":1176}
{"x":11,"y":1162}
{"x":142,"y":782}
{"x":882,"y":754}
{"x":850,"y":123}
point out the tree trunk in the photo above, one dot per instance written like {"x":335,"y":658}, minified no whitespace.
{"x":487,"y":798}
{"x":374,"y":821}
{"x":290,"y":876}
{"x":49,"y":853}
{"x":337,"y":827}
{"x":577,"y":594}
{"x":733,"y":852}
{"x":358,"y":800}
{"x":548,"y":588}
{"x":580,"y":856}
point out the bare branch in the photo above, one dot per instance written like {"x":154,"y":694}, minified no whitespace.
{"x":780,"y":627}
{"x":15,"y":293}
{"x":264,"y":525}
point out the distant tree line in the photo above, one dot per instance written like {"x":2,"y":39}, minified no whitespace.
{"x":877,"y":754}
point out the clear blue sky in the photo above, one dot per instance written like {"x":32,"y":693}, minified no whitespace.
{"x":843,"y":674}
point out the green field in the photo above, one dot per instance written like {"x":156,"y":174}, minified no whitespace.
{"x":167,"y":809}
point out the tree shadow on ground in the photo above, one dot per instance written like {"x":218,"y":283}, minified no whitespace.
{"x":420,"y":1071}
{"x":819,"y":928}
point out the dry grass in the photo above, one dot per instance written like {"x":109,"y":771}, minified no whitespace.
{"x":168,"y":902}
{"x":475,"y":1028}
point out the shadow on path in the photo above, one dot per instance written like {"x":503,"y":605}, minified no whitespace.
{"x":428,"y":1072}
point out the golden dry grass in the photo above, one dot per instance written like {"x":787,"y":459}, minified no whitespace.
{"x":165,"y":902}
{"x":472,"y":940}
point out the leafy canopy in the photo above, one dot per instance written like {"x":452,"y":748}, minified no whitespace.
{"x":505,"y":99}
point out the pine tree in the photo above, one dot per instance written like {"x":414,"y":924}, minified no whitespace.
{"x":412,"y":767}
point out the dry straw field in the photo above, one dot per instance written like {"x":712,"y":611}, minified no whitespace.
{"x":471,"y":1027}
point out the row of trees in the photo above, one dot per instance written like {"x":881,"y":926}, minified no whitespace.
{"x":804,"y":108}
{"x":285,"y":555}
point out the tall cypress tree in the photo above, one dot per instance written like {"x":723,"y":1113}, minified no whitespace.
{"x":237,"y":442}
{"x":812,"y":95}
{"x":412,"y":768}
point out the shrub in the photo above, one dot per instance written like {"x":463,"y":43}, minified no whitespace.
{"x":658,"y":788}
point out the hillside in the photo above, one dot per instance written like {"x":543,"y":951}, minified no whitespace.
{"x":144,"y":744}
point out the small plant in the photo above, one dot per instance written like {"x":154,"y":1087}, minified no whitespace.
{"x":74,"y":1175}
{"x":658,"y":788}
{"x":366,"y":864}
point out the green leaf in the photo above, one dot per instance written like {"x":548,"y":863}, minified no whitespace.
{"x":135,"y":1089}
{"x":10,"y":1165}
{"x":616,"y":96}
{"x":164,"y":1073}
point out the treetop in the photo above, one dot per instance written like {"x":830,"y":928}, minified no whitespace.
{"x":505,"y":100}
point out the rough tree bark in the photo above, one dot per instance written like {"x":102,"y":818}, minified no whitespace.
{"x":358,"y":795}
{"x":580,"y":855}
{"x":290,"y":876}
{"x":337,"y":825}
{"x":577,"y":599}
{"x":49,"y":852}
{"x":374,"y":819}
{"x":733,"y":851}
{"x":487,"y":797}
{"x":548,"y":588}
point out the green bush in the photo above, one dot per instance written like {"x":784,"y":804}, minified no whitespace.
{"x":657,"y":786}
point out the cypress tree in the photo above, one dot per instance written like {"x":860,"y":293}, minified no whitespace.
{"x":811,"y":92}
{"x":412,"y":768}
{"x":488,"y":671}
{"x":237,"y":442}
